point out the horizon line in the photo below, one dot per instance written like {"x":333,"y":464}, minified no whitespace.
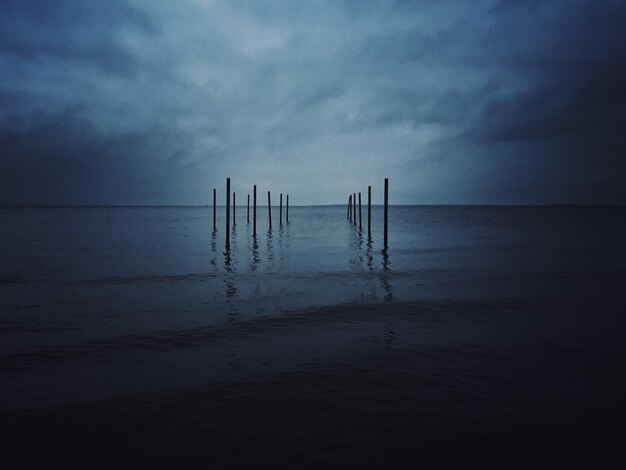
{"x":15,"y":206}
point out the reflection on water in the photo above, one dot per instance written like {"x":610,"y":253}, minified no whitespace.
{"x":360,"y":266}
{"x":384,"y":276}
{"x":283,"y":247}
{"x":255,"y":254}
{"x":213,"y":259}
{"x":231,"y":289}
{"x":233,"y":238}
{"x":270,"y":251}
{"x":228,"y":261}
{"x":355,"y":245}
{"x":370,"y":257}
{"x":370,"y":267}
{"x":137,"y":299}
{"x":361,"y":257}
{"x":230,"y":283}
{"x":385,"y":254}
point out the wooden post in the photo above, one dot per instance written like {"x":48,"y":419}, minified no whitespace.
{"x":369,"y":211}
{"x":350,"y":207}
{"x":360,"y":226}
{"x":227,"y":212}
{"x":281,"y":208}
{"x":254,"y":213}
{"x":354,"y":207}
{"x":214,"y":198}
{"x":269,"y":209}
{"x":386,"y":210}
{"x":234,"y":207}
{"x":287,"y":208}
{"x":248,"y":213}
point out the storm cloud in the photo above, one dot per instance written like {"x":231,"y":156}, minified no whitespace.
{"x":156,"y":102}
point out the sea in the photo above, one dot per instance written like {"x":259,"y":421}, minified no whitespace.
{"x":482,"y":337}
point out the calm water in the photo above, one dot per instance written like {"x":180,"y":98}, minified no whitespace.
{"x":133,"y":331}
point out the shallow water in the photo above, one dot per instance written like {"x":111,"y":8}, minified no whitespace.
{"x":479,"y":319}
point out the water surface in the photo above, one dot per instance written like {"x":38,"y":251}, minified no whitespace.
{"x":135,"y":328}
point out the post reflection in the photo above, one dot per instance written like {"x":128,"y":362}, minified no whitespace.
{"x":231,"y":288}
{"x":228,"y":261}
{"x":270,"y":251}
{"x":233,"y":237}
{"x":389,"y":334}
{"x":386,"y":263}
{"x":356,"y":245}
{"x":370,"y":267}
{"x":368,"y":275}
{"x":368,"y":254}
{"x":213,"y":260}
{"x":255,"y":260}
{"x":253,"y":250}
{"x":283,"y":245}
{"x":384,"y":276}
{"x":359,"y":246}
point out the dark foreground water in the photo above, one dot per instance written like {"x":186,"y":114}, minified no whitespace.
{"x":484,"y":337}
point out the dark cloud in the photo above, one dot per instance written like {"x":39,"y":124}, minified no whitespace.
{"x":61,"y":159}
{"x":156,"y":102}
{"x":595,"y":103}
{"x":82,"y":32}
{"x":580,"y":87}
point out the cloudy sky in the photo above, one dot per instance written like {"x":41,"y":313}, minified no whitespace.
{"x":456,"y":101}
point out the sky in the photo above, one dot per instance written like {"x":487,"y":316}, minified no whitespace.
{"x":456,"y":102}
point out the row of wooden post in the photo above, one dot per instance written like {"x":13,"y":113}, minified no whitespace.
{"x":269,"y":206}
{"x":352,"y":211}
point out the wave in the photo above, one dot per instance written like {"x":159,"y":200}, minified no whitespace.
{"x":334,"y":318}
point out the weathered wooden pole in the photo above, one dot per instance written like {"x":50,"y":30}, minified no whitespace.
{"x":234,"y":207}
{"x":348,"y":213}
{"x":227,"y":212}
{"x":254,"y":213}
{"x":214,"y":198}
{"x":354,"y":207}
{"x":386,"y":210}
{"x":350,"y":208}
{"x":269,"y":209}
{"x":248,"y":213}
{"x":360,"y":225}
{"x":369,"y":211}
{"x":281,"y":208}
{"x":287,"y":208}
{"x":351,"y":211}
